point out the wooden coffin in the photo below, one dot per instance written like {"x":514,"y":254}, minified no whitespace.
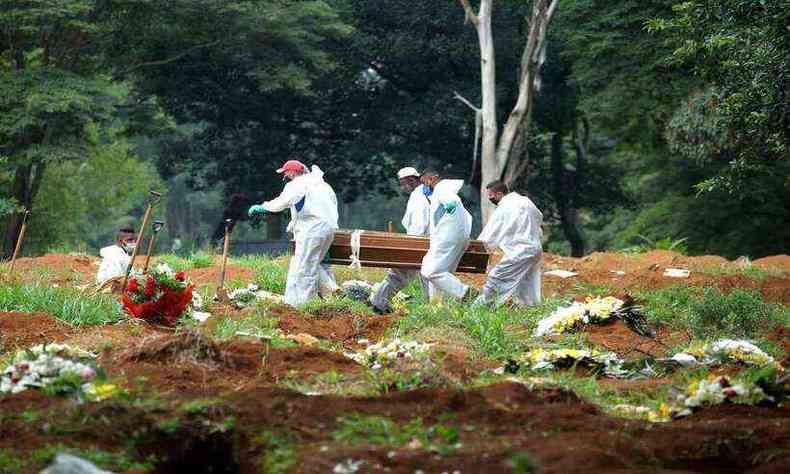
{"x":389,"y":250}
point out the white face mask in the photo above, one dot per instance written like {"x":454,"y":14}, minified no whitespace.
{"x":129,"y":247}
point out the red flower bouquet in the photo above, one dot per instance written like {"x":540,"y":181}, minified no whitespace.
{"x":160,"y":297}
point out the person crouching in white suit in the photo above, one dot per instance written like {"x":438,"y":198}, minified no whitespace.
{"x":515,"y":228}
{"x":416,"y":222}
{"x":313,"y":206}
{"x":450,"y":228}
{"x":115,"y":258}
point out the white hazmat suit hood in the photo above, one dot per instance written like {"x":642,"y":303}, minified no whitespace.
{"x":114,"y":261}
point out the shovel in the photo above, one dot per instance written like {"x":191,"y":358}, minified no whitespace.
{"x":156,"y":227}
{"x":19,"y":240}
{"x":222,"y":294}
{"x":153,"y":199}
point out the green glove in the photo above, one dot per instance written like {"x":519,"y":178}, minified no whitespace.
{"x":450,"y":207}
{"x":256,"y":210}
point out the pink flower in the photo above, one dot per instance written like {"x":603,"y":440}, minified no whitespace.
{"x":87,"y":373}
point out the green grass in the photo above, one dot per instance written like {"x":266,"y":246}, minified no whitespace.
{"x":279,"y":452}
{"x":523,"y":463}
{"x":67,"y":304}
{"x":258,"y":324}
{"x":41,"y":457}
{"x":270,"y":274}
{"x":709,"y":312}
{"x":378,"y":430}
{"x":333,"y":306}
{"x":495,"y":332}
{"x":178,"y":263}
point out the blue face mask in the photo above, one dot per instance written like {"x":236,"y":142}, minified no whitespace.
{"x":427,"y":191}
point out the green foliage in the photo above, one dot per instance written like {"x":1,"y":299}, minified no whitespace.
{"x":270,"y":274}
{"x":279,"y":455}
{"x":523,"y":463}
{"x":66,"y":304}
{"x":710,"y":313}
{"x":378,"y":430}
{"x":335,"y":306}
{"x":113,"y":461}
{"x":257,"y":325}
{"x":495,"y":332}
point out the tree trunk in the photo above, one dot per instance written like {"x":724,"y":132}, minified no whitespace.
{"x":489,"y":166}
{"x":27,"y":180}
{"x":501,"y":157}
{"x":512,"y":152}
{"x":564,"y":186}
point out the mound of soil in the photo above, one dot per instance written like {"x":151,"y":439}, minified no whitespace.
{"x":777,"y":262}
{"x":64,"y":269}
{"x":618,"y":338}
{"x":210,"y":276}
{"x":343,"y":328}
{"x":306,"y":361}
{"x":20,"y":330}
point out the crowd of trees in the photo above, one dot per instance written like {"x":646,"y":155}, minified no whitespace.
{"x":645,"y":121}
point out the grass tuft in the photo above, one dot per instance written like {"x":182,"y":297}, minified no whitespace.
{"x":67,"y":304}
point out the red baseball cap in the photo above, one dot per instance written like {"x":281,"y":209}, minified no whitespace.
{"x":292,"y":165}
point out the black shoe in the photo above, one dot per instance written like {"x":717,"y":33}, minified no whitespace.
{"x":380,"y":311}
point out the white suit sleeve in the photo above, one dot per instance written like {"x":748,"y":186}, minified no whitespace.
{"x":291,"y":194}
{"x":491,"y":235}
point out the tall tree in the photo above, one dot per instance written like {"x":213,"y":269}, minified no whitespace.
{"x":49,"y":93}
{"x":503,"y":156}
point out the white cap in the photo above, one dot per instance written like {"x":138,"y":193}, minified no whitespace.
{"x":408,"y":171}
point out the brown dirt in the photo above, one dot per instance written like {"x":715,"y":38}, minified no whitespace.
{"x":618,"y":338}
{"x":645,"y":271}
{"x":777,"y":262}
{"x":342,"y":328}
{"x":210,"y":276}
{"x":20,"y":330}
{"x":63,"y":269}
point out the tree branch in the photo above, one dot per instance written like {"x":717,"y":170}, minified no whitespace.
{"x":470,"y":13}
{"x":162,"y":62}
{"x":465,"y":101}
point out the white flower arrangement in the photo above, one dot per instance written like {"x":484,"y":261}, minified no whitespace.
{"x":42,"y":365}
{"x":726,"y":351}
{"x":715,"y":390}
{"x":568,"y":318}
{"x":385,"y":353}
{"x":550,"y":359}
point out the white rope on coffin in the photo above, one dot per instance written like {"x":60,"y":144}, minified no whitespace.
{"x":356,"y":243}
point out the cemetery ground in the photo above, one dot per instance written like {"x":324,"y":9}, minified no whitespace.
{"x":431,"y":388}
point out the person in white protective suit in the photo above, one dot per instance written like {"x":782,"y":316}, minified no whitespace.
{"x":515,"y":228}
{"x":314,"y":216}
{"x":417,"y":223}
{"x":450,"y":228}
{"x":115,"y":258}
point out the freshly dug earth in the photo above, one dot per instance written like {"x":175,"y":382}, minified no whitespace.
{"x":554,"y":428}
{"x":20,"y":330}
{"x":343,"y":328}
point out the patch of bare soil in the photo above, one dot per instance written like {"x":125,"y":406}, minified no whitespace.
{"x":20,"y":330}
{"x":342,"y":328}
{"x":776,"y":262}
{"x":62,"y":269}
{"x":210,"y":275}
{"x":615,"y":336}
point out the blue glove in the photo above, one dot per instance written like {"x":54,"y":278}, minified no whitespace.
{"x":450,"y":207}
{"x":256,"y":210}
{"x":427,"y":191}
